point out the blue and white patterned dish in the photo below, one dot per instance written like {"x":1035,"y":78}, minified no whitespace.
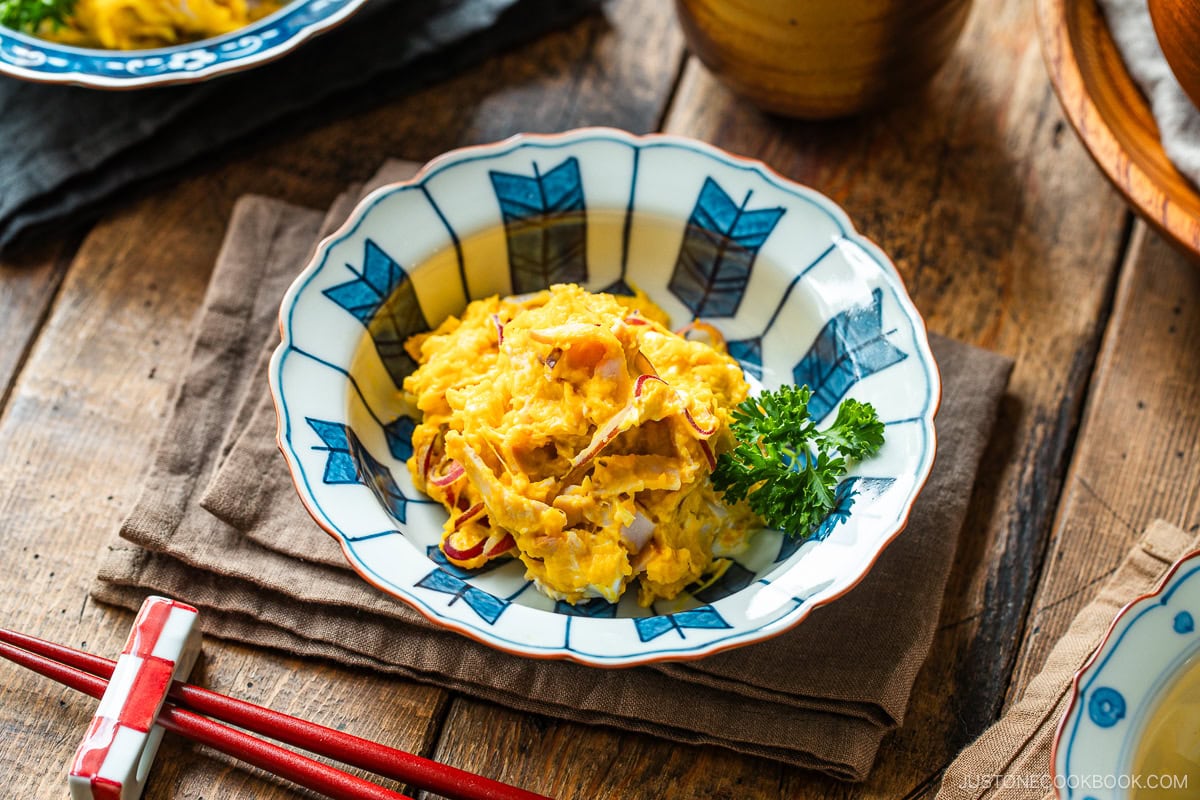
{"x":799,"y":295}
{"x":30,"y":58}
{"x":1152,"y":641}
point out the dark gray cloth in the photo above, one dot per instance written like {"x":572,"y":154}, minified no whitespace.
{"x":65,"y":150}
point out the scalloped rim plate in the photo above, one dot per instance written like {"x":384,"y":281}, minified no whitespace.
{"x":33,"y":59}
{"x":1150,"y":641}
{"x":808,"y":278}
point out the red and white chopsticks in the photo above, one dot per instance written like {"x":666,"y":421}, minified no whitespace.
{"x":90,"y":674}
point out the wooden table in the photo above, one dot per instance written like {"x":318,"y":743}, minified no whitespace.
{"x":1006,"y":235}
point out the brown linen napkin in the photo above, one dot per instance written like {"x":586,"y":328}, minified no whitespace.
{"x":220,"y":526}
{"x":1011,"y":760}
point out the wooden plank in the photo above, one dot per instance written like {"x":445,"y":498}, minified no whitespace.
{"x":29,"y":279}
{"x":80,"y":424}
{"x":1138,"y":451}
{"x":1008,"y":237}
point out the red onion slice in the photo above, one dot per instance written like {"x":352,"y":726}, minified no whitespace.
{"x":703,"y":430}
{"x":499,"y":329}
{"x":468,"y":515}
{"x":603,"y":436}
{"x":451,"y":475}
{"x":462,"y":555}
{"x":641,"y":382}
{"x":503,"y":546}
{"x":426,"y":462}
{"x":700,"y":429}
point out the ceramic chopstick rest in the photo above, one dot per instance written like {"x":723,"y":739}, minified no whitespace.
{"x":115,"y":755}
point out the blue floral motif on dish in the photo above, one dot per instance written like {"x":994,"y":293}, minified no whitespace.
{"x":704,"y":617}
{"x":382,"y":297}
{"x":139,"y":68}
{"x":1183,"y":623}
{"x":487,"y":606}
{"x":1106,"y":707}
{"x":545,"y":224}
{"x":851,"y":346}
{"x":720,"y":244}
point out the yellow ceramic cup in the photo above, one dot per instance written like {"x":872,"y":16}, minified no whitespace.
{"x":822,"y":58}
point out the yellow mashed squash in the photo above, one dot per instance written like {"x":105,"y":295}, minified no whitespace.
{"x":145,"y":24}
{"x":576,"y":432}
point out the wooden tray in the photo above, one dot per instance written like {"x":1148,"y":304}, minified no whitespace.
{"x":1113,"y":119}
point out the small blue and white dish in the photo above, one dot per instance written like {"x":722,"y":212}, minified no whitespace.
{"x":797,"y":293}
{"x":30,"y":58}
{"x":1133,"y":725}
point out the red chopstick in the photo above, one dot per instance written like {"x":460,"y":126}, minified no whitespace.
{"x":89,"y":673}
{"x":314,"y":775}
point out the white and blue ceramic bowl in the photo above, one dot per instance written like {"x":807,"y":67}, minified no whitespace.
{"x":30,"y":58}
{"x":1151,"y":643}
{"x":776,"y":267}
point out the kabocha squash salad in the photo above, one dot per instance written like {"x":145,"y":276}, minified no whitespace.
{"x":578,"y":433}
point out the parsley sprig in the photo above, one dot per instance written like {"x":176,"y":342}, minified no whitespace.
{"x":28,"y":15}
{"x":783,"y":466}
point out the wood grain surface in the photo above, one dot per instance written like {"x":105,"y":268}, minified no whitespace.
{"x":1004,"y":231}
{"x":994,"y":215}
{"x":1138,"y":456}
{"x":95,"y":360}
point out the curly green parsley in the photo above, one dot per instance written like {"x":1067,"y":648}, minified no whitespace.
{"x":28,"y":15}
{"x":783,"y":466}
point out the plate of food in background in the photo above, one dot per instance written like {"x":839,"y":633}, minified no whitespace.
{"x":604,"y":397}
{"x":130,"y":44}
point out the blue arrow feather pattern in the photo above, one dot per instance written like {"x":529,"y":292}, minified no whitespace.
{"x":379,"y":480}
{"x":847,"y":492}
{"x":748,"y":353}
{"x":435,"y":554}
{"x":339,"y":466}
{"x":851,"y":346}
{"x":366,"y":294}
{"x":719,"y":247}
{"x":704,"y":617}
{"x":733,"y":580}
{"x":382,"y":297}
{"x":399,"y":433}
{"x":545,"y":224}
{"x":350,"y":462}
{"x":487,"y":606}
{"x":596,"y":607}
{"x":619,"y":287}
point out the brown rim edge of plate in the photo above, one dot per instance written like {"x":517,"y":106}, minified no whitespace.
{"x":1113,"y":119}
